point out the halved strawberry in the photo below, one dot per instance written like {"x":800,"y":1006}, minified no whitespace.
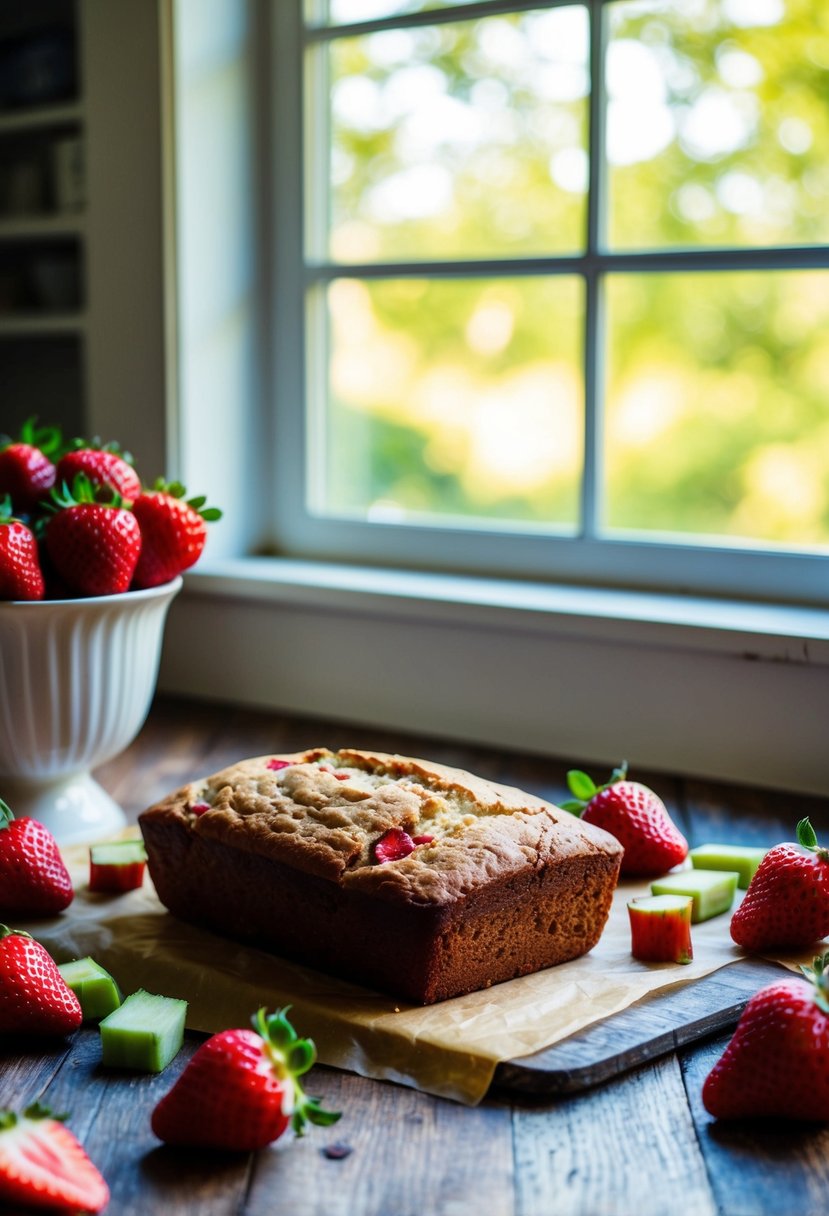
{"x":42,"y":1165}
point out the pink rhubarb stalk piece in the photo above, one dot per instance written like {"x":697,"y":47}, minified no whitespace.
{"x":660,"y":928}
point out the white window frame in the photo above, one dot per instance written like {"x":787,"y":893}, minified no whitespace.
{"x":707,"y":686}
{"x":668,"y":563}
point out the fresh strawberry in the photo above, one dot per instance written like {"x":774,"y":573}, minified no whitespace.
{"x":777,"y":1063}
{"x":241,"y":1089}
{"x":786,"y":906}
{"x":21,"y":577}
{"x":635,"y":815}
{"x":174,"y":532}
{"x":42,"y":1165}
{"x":93,"y":545}
{"x":26,"y":472}
{"x":34,"y":998}
{"x":104,"y":465}
{"x":33,"y":879}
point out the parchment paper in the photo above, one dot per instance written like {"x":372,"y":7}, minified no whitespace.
{"x":450,"y":1049}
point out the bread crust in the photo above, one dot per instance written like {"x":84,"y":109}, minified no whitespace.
{"x":285,"y":857}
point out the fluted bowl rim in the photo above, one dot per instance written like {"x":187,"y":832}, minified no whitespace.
{"x":89,"y":602}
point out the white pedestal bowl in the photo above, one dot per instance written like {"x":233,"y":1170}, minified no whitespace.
{"x":76,"y":681}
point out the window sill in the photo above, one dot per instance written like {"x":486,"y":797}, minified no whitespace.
{"x":708,"y":687}
{"x":771,"y":631}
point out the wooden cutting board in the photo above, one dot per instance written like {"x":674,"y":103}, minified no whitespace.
{"x":652,"y":1027}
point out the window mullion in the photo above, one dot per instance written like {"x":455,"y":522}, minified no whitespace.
{"x":592,"y":475}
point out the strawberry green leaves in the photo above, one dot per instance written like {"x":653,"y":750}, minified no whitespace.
{"x":292,"y":1057}
{"x":583,"y":787}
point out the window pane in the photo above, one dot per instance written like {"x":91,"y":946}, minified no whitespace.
{"x":717,"y":122}
{"x":459,"y":140}
{"x":324,"y":12}
{"x":454,"y":397}
{"x":718,"y":409}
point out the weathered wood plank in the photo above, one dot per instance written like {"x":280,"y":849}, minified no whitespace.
{"x":27,"y":1065}
{"x":413,"y":1155}
{"x":627,"y":1149}
{"x":757,"y":1167}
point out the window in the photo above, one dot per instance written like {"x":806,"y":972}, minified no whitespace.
{"x":552,"y":288}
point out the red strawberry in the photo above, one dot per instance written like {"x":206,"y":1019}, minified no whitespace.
{"x":635,"y":815}
{"x":21,"y":577}
{"x":42,"y":1165}
{"x":241,"y":1089}
{"x":786,"y":906}
{"x":26,"y":472}
{"x":777,"y":1063}
{"x":104,"y":466}
{"x":33,"y":879}
{"x":33,"y":996}
{"x":393,"y":845}
{"x":93,"y":545}
{"x":174,"y":532}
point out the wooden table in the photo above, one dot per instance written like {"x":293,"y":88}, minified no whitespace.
{"x":638,"y":1146}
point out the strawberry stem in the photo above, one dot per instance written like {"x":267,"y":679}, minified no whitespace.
{"x":35,"y":1110}
{"x":46,"y":439}
{"x":818,"y":975}
{"x":290,"y":1057}
{"x":807,"y":838}
{"x":585,"y":788}
{"x":176,"y":490}
{"x":5,"y":931}
{"x":83,"y":491}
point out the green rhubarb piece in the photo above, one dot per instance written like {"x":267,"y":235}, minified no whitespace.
{"x":145,"y":1033}
{"x":743,"y":858}
{"x":95,"y":988}
{"x":711,"y":890}
{"x":117,"y":853}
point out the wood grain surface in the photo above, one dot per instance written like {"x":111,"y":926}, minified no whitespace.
{"x":638,"y":1145}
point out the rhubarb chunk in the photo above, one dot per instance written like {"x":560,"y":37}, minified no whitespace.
{"x":145,"y":1033}
{"x":118,"y":866}
{"x":740,"y":857}
{"x":93,"y":986}
{"x":711,"y":890}
{"x":660,"y":928}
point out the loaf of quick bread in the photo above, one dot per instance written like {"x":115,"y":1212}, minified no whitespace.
{"x":416,"y":879}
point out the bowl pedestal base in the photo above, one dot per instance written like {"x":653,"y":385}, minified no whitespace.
{"x":75,"y":808}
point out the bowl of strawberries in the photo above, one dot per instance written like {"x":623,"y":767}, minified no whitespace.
{"x":90,"y":560}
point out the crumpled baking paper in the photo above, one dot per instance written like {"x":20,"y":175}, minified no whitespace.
{"x":450,"y":1049}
